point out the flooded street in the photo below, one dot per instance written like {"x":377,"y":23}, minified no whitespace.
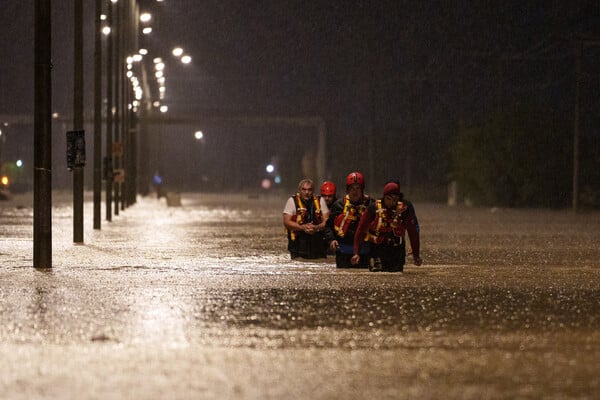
{"x":203,"y":301}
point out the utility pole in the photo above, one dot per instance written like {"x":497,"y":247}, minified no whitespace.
{"x":108,"y":161}
{"x":575,"y":204}
{"x":42,"y":178}
{"x":97,"y":115}
{"x":78,"y":121}
{"x":117,"y":28}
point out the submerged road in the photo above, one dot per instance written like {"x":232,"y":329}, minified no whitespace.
{"x":202,"y":301}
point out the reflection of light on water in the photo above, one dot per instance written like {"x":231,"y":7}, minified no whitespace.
{"x":159,"y":316}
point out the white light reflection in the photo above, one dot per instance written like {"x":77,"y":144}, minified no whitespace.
{"x":159,"y":317}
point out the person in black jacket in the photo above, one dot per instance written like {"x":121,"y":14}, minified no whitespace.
{"x":304,"y":217}
{"x":343,"y":221}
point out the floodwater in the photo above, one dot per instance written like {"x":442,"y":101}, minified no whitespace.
{"x":202,"y":301}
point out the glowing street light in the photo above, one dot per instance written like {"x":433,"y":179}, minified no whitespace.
{"x":198,"y":135}
{"x":145,"y":17}
{"x":177,"y":51}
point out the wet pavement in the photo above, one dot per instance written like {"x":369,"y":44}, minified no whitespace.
{"x":202,"y":301}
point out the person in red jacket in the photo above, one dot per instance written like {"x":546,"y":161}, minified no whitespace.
{"x":384,"y":224}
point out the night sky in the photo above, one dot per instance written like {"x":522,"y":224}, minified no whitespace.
{"x":405,"y":71}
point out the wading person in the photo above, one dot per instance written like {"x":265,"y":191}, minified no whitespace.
{"x":343,"y":222}
{"x":328,"y":192}
{"x":384,"y":224}
{"x":304,"y":217}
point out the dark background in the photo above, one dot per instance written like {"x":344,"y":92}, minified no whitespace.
{"x":394,"y":81}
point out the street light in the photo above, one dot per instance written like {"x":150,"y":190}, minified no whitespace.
{"x":145,"y":17}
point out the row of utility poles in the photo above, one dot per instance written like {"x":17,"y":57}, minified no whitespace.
{"x":120,"y":121}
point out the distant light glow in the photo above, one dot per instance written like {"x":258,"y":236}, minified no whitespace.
{"x":266,"y":183}
{"x":145,"y":17}
{"x":19,"y":163}
{"x":177,"y":51}
{"x":143,"y":52}
{"x":277,"y":179}
{"x":147,"y":30}
{"x":198,"y":135}
{"x":270,"y":168}
{"x":186,"y":59}
{"x":5,"y":180}
{"x":106,"y":30}
{"x":164,"y":109}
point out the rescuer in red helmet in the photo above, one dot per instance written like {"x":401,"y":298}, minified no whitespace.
{"x":328,"y":192}
{"x":383,"y":225}
{"x":304,"y":217}
{"x":343,"y":222}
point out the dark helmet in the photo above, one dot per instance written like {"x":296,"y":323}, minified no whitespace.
{"x":355,"y":177}
{"x":328,"y":188}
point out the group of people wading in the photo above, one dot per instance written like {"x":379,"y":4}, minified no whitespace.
{"x":359,"y":230}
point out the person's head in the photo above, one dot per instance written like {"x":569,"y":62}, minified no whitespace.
{"x":391,"y":194}
{"x":397,"y":182}
{"x":305,"y":188}
{"x":328,"y":192}
{"x":355,"y":186}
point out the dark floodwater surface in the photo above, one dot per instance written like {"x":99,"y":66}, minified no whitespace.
{"x":507,"y":304}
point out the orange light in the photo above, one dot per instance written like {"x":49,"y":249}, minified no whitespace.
{"x":4,"y":180}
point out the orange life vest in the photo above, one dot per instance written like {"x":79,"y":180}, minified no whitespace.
{"x":387,"y":225}
{"x":349,"y":216}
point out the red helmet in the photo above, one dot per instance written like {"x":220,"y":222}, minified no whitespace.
{"x":328,"y":188}
{"x":355,"y":177}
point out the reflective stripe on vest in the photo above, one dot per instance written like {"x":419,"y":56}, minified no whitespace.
{"x":350,"y":214}
{"x":301,"y":213}
{"x":387,"y":225}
